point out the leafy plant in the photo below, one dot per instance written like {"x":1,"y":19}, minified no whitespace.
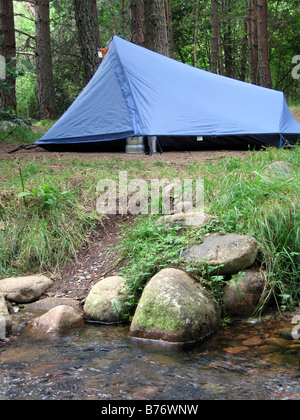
{"x":46,"y":197}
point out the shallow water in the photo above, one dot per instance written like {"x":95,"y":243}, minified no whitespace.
{"x":240,"y":361}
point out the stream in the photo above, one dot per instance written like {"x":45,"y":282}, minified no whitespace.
{"x":242,"y":361}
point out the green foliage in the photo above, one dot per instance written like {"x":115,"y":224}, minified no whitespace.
{"x":149,"y":247}
{"x":46,"y":197}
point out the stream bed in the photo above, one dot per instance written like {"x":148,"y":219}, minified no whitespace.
{"x":242,"y":361}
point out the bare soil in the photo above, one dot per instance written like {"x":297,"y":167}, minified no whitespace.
{"x":167,"y":157}
{"x":97,"y":259}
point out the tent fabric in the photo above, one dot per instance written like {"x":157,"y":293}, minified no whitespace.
{"x":137,"y":92}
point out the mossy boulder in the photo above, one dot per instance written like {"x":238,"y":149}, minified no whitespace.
{"x":175,"y":308}
{"x":106,"y":301}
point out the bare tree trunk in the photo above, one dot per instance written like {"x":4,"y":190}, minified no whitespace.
{"x":112,"y":12}
{"x":229,"y":64}
{"x":156,"y":34}
{"x":220,"y":49}
{"x":170,"y":29}
{"x":244,"y":52}
{"x":124,"y":18}
{"x":8,"y":51}
{"x":253,"y":41}
{"x":87,"y":37}
{"x":137,"y":33}
{"x":214,"y":36}
{"x":96,"y":21}
{"x":263,"y":53}
{"x":44,"y":70}
{"x":197,"y":12}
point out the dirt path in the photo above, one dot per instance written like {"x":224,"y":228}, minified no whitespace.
{"x":167,"y":157}
{"x":97,"y":259}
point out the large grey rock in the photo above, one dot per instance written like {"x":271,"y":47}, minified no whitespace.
{"x":24,"y":289}
{"x":233,"y":252}
{"x":106,"y":301}
{"x":175,"y":308}
{"x":5,"y":318}
{"x":57,"y":319}
{"x":243,"y":293}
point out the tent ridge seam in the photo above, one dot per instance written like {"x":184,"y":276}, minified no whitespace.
{"x":123,"y":81}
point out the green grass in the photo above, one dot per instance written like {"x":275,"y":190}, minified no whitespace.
{"x":24,"y":134}
{"x":47,"y":225}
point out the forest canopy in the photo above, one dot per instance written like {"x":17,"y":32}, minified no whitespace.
{"x":51,"y":47}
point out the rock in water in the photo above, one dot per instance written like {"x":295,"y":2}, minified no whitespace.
{"x":243,"y":293}
{"x":5,"y":318}
{"x":106,"y":301}
{"x":233,"y":252}
{"x":24,"y":289}
{"x":57,"y":319}
{"x":174,"y":308}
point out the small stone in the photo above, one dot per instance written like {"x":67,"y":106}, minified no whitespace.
{"x":279,"y":169}
{"x":195,"y":219}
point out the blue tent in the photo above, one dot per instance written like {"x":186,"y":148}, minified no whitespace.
{"x":137,"y":92}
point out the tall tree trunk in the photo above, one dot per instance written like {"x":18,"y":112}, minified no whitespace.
{"x":244,"y":52}
{"x":170,"y":29}
{"x":137,"y":32}
{"x":220,"y":51}
{"x":112,"y":12}
{"x":263,"y":53}
{"x":197,"y":12}
{"x":96,"y":21}
{"x":214,"y":36}
{"x":124,"y":18}
{"x":8,"y":52}
{"x":156,"y":34}
{"x":88,"y":39}
{"x":253,"y":40}
{"x":44,"y":70}
{"x":228,"y":50}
